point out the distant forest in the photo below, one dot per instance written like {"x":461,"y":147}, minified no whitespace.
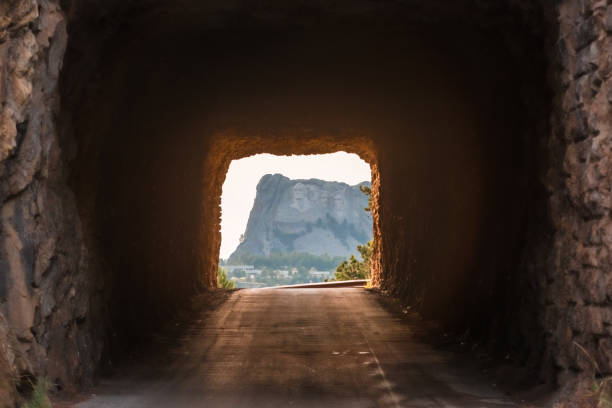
{"x":287,"y":260}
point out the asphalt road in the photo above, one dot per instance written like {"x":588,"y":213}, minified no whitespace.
{"x":298,"y":348}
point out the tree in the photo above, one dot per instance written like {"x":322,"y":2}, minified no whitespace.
{"x":367,"y":191}
{"x":353,"y":268}
{"x":222,"y":281}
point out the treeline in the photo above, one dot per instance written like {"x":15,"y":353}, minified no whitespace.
{"x":288,"y":260}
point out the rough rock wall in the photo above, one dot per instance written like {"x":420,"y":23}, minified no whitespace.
{"x":455,"y":215}
{"x":45,"y":284}
{"x":577,"y":281}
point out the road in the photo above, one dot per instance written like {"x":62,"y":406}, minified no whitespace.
{"x":299,"y":348}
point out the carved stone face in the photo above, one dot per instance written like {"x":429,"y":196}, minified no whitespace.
{"x":301,"y":198}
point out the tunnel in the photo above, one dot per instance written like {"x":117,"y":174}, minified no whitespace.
{"x":434,"y":107}
{"x":480,"y":221}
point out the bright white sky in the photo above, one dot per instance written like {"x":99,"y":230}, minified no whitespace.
{"x":244,"y":174}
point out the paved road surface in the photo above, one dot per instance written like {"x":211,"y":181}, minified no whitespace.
{"x":299,"y":348}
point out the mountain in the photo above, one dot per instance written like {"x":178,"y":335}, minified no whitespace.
{"x":313,"y":216}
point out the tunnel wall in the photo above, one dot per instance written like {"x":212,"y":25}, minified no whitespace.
{"x":576,"y":276}
{"x":98,"y":205}
{"x":48,"y":282}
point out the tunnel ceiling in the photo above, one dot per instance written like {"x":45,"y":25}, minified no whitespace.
{"x":182,"y":14}
{"x":182,"y":37}
{"x":171,"y":18}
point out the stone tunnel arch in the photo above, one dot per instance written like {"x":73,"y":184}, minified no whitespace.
{"x":233,"y":145}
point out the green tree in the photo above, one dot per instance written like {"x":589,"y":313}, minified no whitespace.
{"x":367,"y":191}
{"x":353,"y":268}
{"x":223,"y":281}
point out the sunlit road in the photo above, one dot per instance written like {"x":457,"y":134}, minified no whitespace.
{"x":299,"y":348}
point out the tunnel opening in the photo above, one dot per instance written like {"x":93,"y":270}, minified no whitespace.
{"x":288,"y":220}
{"x":307,"y":146}
{"x":462,"y":112}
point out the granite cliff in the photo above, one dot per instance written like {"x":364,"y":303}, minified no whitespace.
{"x":313,"y":216}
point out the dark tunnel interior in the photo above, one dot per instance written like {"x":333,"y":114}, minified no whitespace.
{"x":450,"y":104}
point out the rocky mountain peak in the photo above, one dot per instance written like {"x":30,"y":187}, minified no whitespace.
{"x":313,"y":216}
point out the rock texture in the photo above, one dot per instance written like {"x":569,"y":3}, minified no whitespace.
{"x":313,"y":216}
{"x":577,"y":305}
{"x":45,"y":284}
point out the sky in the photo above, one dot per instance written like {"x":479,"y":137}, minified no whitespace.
{"x":243,"y":175}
